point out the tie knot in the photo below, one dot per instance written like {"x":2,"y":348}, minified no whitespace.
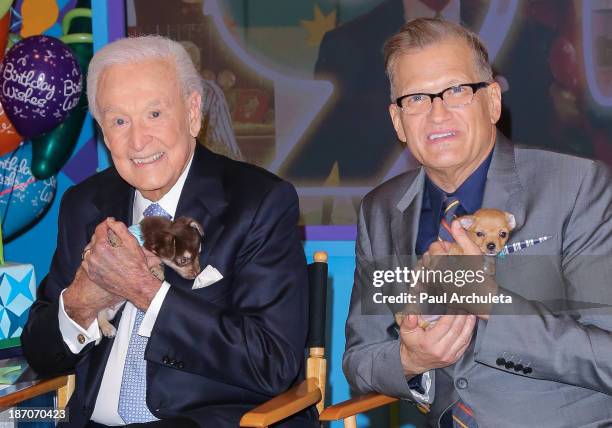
{"x":450,"y":205}
{"x":155,"y":210}
{"x":451,"y":208}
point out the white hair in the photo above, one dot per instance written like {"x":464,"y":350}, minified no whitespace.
{"x":137,"y":49}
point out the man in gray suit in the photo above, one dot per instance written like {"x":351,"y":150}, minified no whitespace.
{"x":546,"y":359}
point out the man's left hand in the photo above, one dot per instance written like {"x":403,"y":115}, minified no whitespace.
{"x":463,"y":240}
{"x":122,"y":270}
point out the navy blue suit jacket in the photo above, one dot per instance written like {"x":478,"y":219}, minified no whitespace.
{"x":240,"y":341}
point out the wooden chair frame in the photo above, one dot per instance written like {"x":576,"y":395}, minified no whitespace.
{"x":310,"y":391}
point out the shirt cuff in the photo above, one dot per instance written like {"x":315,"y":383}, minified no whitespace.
{"x":151,"y":314}
{"x":421,"y":391}
{"x":75,"y":336}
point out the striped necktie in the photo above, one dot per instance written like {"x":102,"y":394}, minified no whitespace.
{"x":133,"y":393}
{"x":460,"y":414}
{"x":451,"y":209}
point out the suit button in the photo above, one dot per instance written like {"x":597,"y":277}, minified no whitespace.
{"x":462,"y":383}
{"x":518,"y":367}
{"x":500,"y":362}
{"x":81,"y":339}
{"x":165,"y":360}
{"x":509,"y":365}
{"x":527,"y":370}
{"x":180,"y":365}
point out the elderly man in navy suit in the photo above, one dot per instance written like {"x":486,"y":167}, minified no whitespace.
{"x":186,"y":353}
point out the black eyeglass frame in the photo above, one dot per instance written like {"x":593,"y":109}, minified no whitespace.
{"x":475,"y":87}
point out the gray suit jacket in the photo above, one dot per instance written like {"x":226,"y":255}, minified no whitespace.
{"x":568,"y":351}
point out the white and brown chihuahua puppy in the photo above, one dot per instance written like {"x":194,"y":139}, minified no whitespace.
{"x":177,"y":243}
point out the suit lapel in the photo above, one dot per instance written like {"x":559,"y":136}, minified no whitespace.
{"x":115,"y":201}
{"x":203,"y":198}
{"x":503,"y":189}
{"x":405,"y":220}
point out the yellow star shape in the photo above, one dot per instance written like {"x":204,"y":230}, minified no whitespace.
{"x":320,"y":25}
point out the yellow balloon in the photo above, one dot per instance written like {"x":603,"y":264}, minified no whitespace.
{"x":38,"y":16}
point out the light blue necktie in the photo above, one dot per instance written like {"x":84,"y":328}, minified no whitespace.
{"x":133,"y":394}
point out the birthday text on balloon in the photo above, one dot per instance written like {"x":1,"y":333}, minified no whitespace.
{"x":27,"y":80}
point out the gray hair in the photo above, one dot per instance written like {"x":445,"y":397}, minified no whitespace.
{"x":423,"y":32}
{"x":136,"y":49}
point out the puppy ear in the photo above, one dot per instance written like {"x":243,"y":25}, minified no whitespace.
{"x":197,"y":227}
{"x":467,"y":221}
{"x":511,"y":221}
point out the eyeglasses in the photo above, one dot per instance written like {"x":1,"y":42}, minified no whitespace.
{"x":455,"y":96}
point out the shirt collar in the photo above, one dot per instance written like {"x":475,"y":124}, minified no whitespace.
{"x":470,"y":193}
{"x":168,"y":202}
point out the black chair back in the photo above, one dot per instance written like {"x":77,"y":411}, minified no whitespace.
{"x":317,"y":280}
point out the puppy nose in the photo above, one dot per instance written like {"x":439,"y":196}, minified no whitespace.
{"x":490,"y":246}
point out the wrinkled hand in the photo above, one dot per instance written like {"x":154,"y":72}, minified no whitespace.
{"x":438,"y":346}
{"x":121,"y":270}
{"x":83,"y":299}
{"x":151,"y":259}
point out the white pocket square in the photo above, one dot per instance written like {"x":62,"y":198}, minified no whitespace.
{"x":208,"y":276}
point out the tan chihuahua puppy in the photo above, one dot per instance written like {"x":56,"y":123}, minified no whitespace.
{"x":489,"y":229}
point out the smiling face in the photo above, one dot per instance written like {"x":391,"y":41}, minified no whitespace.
{"x":148,"y":125}
{"x":449,"y":142}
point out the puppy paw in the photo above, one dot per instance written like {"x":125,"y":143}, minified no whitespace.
{"x":107,"y":329}
{"x":158,"y":272}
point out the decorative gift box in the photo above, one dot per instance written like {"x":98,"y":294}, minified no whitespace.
{"x":17,"y":293}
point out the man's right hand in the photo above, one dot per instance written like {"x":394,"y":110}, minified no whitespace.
{"x":438,"y":346}
{"x":83,"y":299}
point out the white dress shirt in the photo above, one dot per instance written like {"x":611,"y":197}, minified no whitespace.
{"x":105,"y":410}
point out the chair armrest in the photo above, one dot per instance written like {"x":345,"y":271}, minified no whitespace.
{"x":284,"y":405}
{"x":355,"y":406}
{"x":38,"y":388}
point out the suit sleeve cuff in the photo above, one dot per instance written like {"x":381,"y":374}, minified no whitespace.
{"x":151,"y":314}
{"x":75,"y":336}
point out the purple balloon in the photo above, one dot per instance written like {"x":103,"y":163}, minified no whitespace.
{"x":40,"y":83}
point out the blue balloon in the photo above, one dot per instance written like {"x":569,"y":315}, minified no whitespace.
{"x":23,"y":198}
